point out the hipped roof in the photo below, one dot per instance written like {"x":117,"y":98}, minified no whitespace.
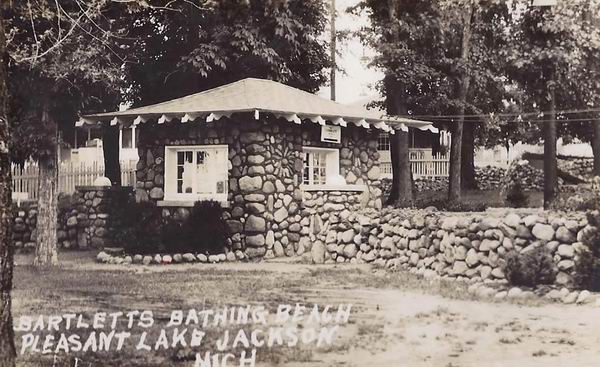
{"x":257,"y":96}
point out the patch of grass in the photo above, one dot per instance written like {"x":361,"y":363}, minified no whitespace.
{"x":507,"y":340}
{"x":480,"y":325}
{"x":563,"y":341}
{"x":539,"y":353}
{"x":369,"y":328}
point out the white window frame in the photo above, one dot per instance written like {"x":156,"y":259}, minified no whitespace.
{"x":170,"y":177}
{"x":384,"y":139}
{"x":332,"y":164}
{"x":133,"y":137}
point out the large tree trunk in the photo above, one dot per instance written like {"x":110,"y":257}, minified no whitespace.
{"x":596,"y":147}
{"x":457,"y":132}
{"x":550,"y":164}
{"x":110,"y":146}
{"x":46,"y":252}
{"x":468,"y":179}
{"x":7,"y":344}
{"x":401,"y":191}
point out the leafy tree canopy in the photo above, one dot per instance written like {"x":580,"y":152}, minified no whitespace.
{"x":420,"y":51}
{"x":202,"y":44}
{"x":64,"y":58}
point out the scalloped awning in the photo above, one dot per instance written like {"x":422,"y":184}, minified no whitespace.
{"x":255,"y":96}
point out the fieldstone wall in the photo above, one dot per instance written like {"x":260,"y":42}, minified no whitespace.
{"x":325,"y":210}
{"x":488,"y":178}
{"x":83,"y":219}
{"x":24,"y":223}
{"x":265,"y":173}
{"x":463,"y":246}
{"x":579,"y":167}
{"x":93,"y":212}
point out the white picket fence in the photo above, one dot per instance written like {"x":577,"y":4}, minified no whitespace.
{"x":423,"y":164}
{"x":70,"y":175}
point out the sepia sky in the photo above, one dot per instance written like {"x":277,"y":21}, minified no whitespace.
{"x":356,"y":80}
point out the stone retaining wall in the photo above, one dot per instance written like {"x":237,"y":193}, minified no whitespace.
{"x":464,"y":246}
{"x":83,"y":218}
{"x":488,"y":178}
{"x":579,"y":167}
{"x":324,"y":210}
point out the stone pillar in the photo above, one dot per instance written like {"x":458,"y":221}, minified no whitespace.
{"x":269,"y":189}
{"x":96,"y":206}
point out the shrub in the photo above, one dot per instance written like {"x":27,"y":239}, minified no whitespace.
{"x":580,"y":199}
{"x":141,"y":229}
{"x":445,"y":204}
{"x":516,"y":197}
{"x":587,"y":272}
{"x":138,"y":228}
{"x":204,"y":231}
{"x":440,"y":201}
{"x":531,"y":268}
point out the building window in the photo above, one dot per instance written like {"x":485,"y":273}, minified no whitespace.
{"x":196,"y":172}
{"x":128,"y":140}
{"x":383,"y":143}
{"x":319,"y":164}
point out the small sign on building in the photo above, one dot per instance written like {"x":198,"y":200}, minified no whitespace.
{"x":331,"y":134}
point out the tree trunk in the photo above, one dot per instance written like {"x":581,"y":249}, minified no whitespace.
{"x":46,"y":252}
{"x":401,"y":191}
{"x":457,"y":132}
{"x":468,"y":179}
{"x":7,"y":337}
{"x":110,"y":146}
{"x":550,"y":164}
{"x":596,"y":147}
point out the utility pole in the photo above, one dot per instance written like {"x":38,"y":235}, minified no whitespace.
{"x":590,"y":22}
{"x":333,"y":49}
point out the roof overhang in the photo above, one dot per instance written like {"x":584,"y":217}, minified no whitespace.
{"x":127,"y":119}
{"x":256,"y":97}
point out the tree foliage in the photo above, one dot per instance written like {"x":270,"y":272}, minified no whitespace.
{"x":65,"y":55}
{"x":425,"y":57}
{"x":200,"y":45}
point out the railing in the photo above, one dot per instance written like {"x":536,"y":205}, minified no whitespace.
{"x":70,"y":175}
{"x":436,"y":166}
{"x":422,"y":163}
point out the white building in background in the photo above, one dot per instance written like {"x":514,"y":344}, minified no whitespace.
{"x":88,"y":148}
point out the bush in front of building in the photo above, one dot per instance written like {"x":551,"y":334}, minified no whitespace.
{"x":203,"y":231}
{"x":138,"y":228}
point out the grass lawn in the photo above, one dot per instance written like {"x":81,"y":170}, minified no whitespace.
{"x":492,"y":198}
{"x":397,"y":319}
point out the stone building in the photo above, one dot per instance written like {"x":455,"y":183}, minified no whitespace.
{"x":283,"y":162}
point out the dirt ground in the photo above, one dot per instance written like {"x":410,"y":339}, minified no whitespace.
{"x":397,"y":319}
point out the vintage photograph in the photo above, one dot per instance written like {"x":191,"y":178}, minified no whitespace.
{"x":304,"y":183}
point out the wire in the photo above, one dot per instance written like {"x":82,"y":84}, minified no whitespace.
{"x":561,"y":112}
{"x":513,"y":121}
